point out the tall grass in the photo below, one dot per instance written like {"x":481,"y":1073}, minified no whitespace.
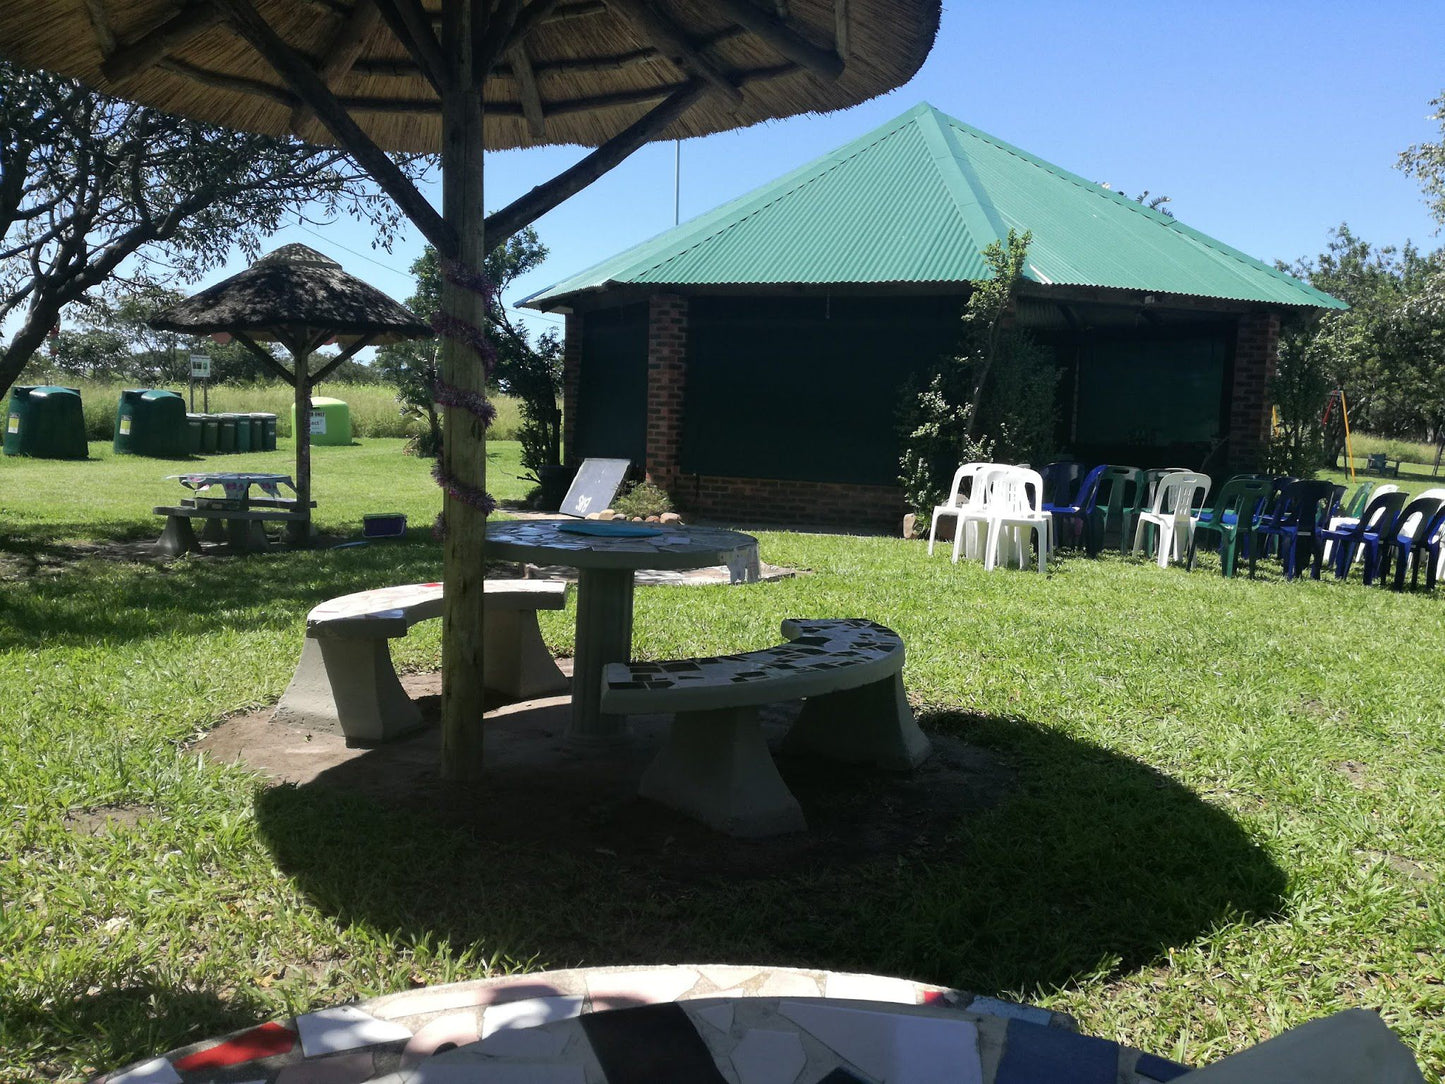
{"x":374,"y":409}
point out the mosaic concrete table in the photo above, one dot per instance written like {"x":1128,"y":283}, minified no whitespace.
{"x":604,"y":592}
{"x":742,"y":1025}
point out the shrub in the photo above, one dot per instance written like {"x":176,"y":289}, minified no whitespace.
{"x":642,"y":499}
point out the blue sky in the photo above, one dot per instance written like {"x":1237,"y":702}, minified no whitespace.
{"x":1267,"y":123}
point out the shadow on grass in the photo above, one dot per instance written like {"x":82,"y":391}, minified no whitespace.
{"x":107,"y":1026}
{"x":1070,"y":861}
{"x":59,"y":593}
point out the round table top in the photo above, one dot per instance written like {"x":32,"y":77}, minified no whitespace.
{"x":543,"y":542}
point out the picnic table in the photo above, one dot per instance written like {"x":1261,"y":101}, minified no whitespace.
{"x":235,"y":516}
{"x":606,"y":554}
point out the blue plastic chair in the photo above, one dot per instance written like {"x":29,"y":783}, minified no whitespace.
{"x":1433,"y":544}
{"x":1069,"y":519}
{"x":1376,"y":521}
{"x":1408,"y":540}
{"x":1061,"y":479}
{"x":1301,"y":513}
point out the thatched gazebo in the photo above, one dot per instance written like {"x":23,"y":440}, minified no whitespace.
{"x":301,"y":299}
{"x":461,"y":77}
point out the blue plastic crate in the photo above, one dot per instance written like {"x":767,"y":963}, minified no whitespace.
{"x":383,"y":525}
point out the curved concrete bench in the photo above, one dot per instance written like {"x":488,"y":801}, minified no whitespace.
{"x":715,"y":764}
{"x":345,"y":680}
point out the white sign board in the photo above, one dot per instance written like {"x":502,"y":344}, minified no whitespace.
{"x":200,"y":367}
{"x":318,"y":423}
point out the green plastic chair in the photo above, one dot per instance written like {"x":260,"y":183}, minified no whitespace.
{"x":1121,"y":494}
{"x":1356,"y":505}
{"x":1236,"y":507}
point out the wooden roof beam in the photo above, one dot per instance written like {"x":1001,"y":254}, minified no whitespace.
{"x":783,"y":37}
{"x":307,"y":85}
{"x":100,"y":23}
{"x":170,"y":33}
{"x":531,"y":16}
{"x":412,"y":27}
{"x":527,"y":209}
{"x":339,"y":57}
{"x":527,"y":92}
{"x":841,"y":19}
{"x":662,"y":32}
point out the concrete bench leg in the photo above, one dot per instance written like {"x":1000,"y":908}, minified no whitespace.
{"x":871,"y":724}
{"x":515,"y":660}
{"x":348,"y":685}
{"x":247,"y":536}
{"x":715,"y":766}
{"x":178,"y":537}
{"x":213,"y":530}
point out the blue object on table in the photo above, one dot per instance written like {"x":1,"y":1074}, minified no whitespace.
{"x":608,"y":529}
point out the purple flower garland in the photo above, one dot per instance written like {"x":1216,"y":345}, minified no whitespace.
{"x":449,"y":395}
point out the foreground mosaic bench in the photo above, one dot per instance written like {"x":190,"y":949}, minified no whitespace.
{"x":740,"y":1025}
{"x":345,"y":680}
{"x":715,"y":764}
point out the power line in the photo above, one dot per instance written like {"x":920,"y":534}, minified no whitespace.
{"x":338,"y":244}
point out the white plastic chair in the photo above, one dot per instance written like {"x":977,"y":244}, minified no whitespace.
{"x":956,"y":503}
{"x":1173,"y":514}
{"x":1014,"y":508}
{"x":971,"y":539}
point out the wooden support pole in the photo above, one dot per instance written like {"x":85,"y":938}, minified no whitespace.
{"x":266,"y":360}
{"x":669,"y":38}
{"x":531,"y":16}
{"x":100,"y":23}
{"x":300,"y":353}
{"x":136,"y":56}
{"x":464,"y":451}
{"x":782,"y":37}
{"x":346,"y":355}
{"x":527,"y":209}
{"x":339,"y":56}
{"x":307,"y":85}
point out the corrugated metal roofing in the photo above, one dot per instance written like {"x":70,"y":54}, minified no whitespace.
{"x":918,"y":200}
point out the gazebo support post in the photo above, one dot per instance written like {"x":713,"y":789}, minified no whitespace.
{"x":299,"y":532}
{"x":464,"y":446}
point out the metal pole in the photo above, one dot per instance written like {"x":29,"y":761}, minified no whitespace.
{"x":676,"y":179}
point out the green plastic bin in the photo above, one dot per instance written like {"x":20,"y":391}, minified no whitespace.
{"x":268,"y":422}
{"x":46,"y":422}
{"x":195,"y":429}
{"x":226,"y":445}
{"x":330,"y":421}
{"x":258,"y":432}
{"x":243,"y":431}
{"x":210,"y":434}
{"x":152,"y":422}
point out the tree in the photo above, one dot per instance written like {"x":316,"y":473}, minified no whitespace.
{"x":1426,"y":163}
{"x":994,"y":399}
{"x":526,"y":368}
{"x":90,"y":185}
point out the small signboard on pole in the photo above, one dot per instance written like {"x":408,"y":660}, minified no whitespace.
{"x":201,"y":370}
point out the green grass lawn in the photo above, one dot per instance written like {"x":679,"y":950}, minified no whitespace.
{"x":1224,"y":817}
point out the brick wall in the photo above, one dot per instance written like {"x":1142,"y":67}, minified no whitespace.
{"x":666,"y":380}
{"x":1249,"y":409}
{"x":571,"y":386}
{"x":803,"y":504}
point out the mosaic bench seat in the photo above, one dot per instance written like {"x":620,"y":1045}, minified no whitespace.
{"x":715,"y":764}
{"x":345,"y":680}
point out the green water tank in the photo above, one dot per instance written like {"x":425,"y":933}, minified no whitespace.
{"x":268,"y":422}
{"x":227,"y":442}
{"x":243,"y":431}
{"x":195,"y":432}
{"x":330,"y":421}
{"x":46,"y":422}
{"x":150,"y":422}
{"x":210,"y":434}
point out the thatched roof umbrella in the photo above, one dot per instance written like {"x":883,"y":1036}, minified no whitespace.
{"x":461,"y":76}
{"x":301,"y":299}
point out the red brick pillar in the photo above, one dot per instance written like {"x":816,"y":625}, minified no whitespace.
{"x":666,"y":378}
{"x":571,"y":386}
{"x":1249,"y":409}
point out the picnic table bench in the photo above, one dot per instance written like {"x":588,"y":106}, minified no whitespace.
{"x":715,"y":764}
{"x":345,"y":680}
{"x":236,"y":518}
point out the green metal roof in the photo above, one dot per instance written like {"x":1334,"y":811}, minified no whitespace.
{"x":917,"y":201}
